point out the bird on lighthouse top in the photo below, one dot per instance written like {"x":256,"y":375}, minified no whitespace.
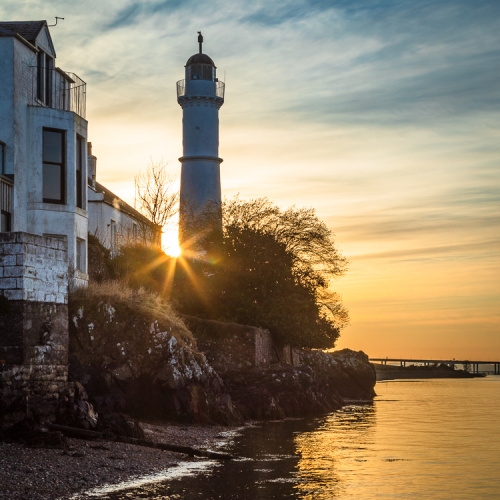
{"x":200,"y":57}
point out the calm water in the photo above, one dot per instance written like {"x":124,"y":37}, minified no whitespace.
{"x":436,"y":439}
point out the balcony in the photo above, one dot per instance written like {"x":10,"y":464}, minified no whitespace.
{"x":54,"y":88}
{"x":219,"y":88}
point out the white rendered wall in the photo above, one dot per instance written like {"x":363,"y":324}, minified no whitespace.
{"x":21,"y":129}
{"x":100,"y":216}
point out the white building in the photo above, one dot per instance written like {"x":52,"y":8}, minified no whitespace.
{"x":111,"y":220}
{"x":47,"y":177}
{"x":43,"y":137}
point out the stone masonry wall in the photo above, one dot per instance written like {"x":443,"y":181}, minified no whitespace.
{"x":229,"y":346}
{"x":33,"y":268}
{"x":33,"y":326}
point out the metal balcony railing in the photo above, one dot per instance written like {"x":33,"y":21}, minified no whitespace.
{"x":219,"y":88}
{"x":54,"y":88}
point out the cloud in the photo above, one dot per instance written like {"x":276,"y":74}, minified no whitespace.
{"x":382,"y":114}
{"x":408,"y":255}
{"x":138,"y":11}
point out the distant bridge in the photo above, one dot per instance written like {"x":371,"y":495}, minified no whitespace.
{"x":474,"y":364}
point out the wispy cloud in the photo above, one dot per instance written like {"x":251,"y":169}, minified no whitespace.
{"x":382,"y":114}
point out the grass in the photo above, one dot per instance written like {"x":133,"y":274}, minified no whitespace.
{"x":141,"y":302}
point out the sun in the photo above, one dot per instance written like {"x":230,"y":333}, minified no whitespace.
{"x":170,"y":242}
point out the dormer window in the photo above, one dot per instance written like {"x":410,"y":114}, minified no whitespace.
{"x":45,"y":67}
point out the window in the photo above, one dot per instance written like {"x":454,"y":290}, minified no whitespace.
{"x":45,"y":66}
{"x":202,"y":72}
{"x":80,"y":255}
{"x":134,"y":231}
{"x":113,"y":235}
{"x":53,"y":166}
{"x":49,"y":66}
{"x":40,"y":66}
{"x":2,"y":157}
{"x":5,"y":222}
{"x":79,"y":170}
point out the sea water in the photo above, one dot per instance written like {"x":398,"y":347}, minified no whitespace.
{"x":420,"y":439}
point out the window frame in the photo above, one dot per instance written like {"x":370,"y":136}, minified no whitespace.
{"x":49,"y":66}
{"x":45,"y":67}
{"x":2,"y":157}
{"x":62,"y":165}
{"x":112,"y":235}
{"x":79,"y":167}
{"x":40,"y":80}
{"x":80,"y":255}
{"x":8,"y":222}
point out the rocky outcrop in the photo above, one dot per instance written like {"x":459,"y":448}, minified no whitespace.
{"x":145,"y":362}
{"x":306,"y":382}
{"x":322,"y":383}
{"x":132,"y":357}
{"x":350,"y":371}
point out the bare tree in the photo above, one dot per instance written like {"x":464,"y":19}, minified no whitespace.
{"x":155,"y":197}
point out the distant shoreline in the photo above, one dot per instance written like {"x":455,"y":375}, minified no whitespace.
{"x":391,"y":372}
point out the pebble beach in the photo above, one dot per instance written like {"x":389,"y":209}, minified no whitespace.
{"x":78,"y":468}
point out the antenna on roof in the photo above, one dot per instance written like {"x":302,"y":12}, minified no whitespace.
{"x":51,"y":25}
{"x":200,"y":40}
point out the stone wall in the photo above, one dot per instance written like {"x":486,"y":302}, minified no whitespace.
{"x":33,"y":326}
{"x":33,"y":268}
{"x":229,"y":346}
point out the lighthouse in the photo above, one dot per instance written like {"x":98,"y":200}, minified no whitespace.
{"x":200,"y":96}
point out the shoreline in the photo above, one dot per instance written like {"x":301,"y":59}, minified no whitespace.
{"x":85,"y":469}
{"x":391,"y":372}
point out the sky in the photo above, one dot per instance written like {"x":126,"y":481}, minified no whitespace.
{"x":383,"y":115}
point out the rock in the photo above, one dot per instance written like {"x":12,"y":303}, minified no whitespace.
{"x":146,"y":365}
{"x":119,"y":424}
{"x":319,"y":385}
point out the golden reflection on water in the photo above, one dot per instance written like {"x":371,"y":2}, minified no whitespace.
{"x":325,"y":453}
{"x":420,"y":439}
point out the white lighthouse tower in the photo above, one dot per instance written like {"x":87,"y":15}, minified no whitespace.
{"x":200,"y":95}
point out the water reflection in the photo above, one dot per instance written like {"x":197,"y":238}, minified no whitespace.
{"x":419,"y":440}
{"x":266,"y":469}
{"x":343,"y":438}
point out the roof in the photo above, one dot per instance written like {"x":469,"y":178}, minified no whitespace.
{"x":115,"y":201}
{"x":29,"y":30}
{"x":200,"y":59}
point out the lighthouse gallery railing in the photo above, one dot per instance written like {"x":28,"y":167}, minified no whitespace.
{"x":219,"y":88}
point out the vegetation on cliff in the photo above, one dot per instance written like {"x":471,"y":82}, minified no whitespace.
{"x":270,"y":268}
{"x":273,"y":269}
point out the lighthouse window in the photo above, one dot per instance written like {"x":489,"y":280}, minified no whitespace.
{"x":202,"y":72}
